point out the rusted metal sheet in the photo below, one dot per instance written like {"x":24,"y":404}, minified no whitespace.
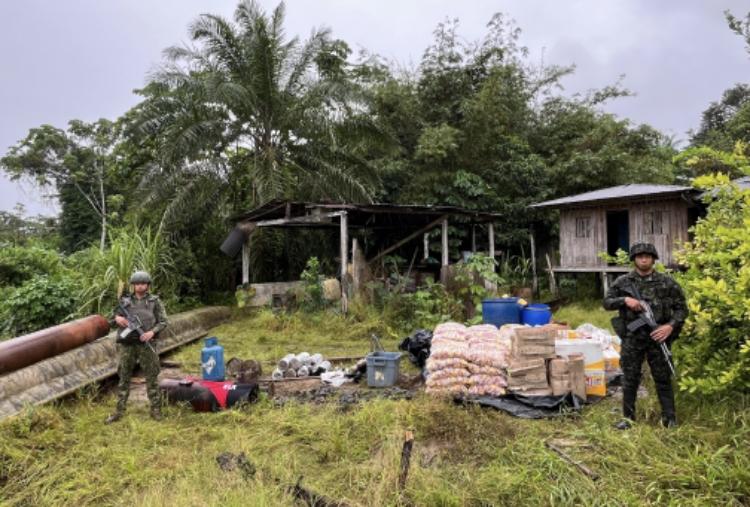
{"x":65,"y":373}
{"x":19,"y":352}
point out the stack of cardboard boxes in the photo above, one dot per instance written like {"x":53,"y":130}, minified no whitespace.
{"x":534,"y":368}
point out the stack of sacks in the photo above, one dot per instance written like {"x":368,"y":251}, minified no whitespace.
{"x":300,"y":365}
{"x":467,"y":361}
{"x":488,"y":359}
{"x":447,"y":366}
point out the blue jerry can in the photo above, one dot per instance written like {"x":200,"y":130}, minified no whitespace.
{"x":212,"y":360}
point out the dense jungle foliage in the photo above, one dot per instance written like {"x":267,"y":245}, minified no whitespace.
{"x":247,"y":113}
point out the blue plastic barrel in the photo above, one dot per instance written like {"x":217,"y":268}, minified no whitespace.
{"x":501,"y":311}
{"x":536,"y":314}
{"x":212,"y":360}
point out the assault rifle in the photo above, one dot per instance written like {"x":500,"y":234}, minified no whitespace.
{"x":647,"y":319}
{"x":132,"y":333}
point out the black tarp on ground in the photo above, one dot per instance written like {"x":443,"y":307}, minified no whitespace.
{"x":530,"y":407}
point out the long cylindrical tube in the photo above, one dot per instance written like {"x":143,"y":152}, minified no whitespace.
{"x":23,"y":351}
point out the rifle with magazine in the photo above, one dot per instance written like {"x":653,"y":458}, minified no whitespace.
{"x":647,"y":319}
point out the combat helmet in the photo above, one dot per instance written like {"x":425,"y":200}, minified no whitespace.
{"x":140,"y":277}
{"x":641,"y":248}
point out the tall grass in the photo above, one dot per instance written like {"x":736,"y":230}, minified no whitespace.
{"x":63,"y":455}
{"x":106,"y":273}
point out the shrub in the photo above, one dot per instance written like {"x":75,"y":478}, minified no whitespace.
{"x":714,"y":351}
{"x":39,"y":303}
{"x":312,"y":298}
{"x":20,"y":264}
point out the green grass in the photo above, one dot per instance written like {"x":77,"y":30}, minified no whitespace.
{"x":585,"y":311}
{"x":62,"y":455}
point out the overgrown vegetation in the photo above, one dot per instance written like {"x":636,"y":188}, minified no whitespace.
{"x":716,"y":350}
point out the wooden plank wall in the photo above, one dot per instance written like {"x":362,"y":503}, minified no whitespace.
{"x":581,"y":252}
{"x":674,"y":215}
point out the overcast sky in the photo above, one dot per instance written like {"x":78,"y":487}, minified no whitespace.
{"x":81,"y":59}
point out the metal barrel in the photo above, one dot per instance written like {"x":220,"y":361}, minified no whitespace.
{"x":23,"y":351}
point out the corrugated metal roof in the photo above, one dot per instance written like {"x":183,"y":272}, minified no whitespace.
{"x":277,"y":209}
{"x":743,"y":183}
{"x":631,"y":191}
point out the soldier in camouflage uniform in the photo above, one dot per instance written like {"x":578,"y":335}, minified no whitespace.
{"x":668,"y":304}
{"x":150,"y":310}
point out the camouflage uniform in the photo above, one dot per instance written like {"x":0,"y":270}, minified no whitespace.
{"x":668,"y":304}
{"x":154,"y":318}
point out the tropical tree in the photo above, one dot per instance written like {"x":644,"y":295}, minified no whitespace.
{"x":80,"y":164}
{"x":246,"y":114}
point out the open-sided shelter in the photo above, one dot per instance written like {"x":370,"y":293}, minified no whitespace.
{"x":407,"y":222}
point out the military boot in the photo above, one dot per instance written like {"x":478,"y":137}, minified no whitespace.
{"x":669,"y":421}
{"x":114,"y":417}
{"x":625,"y":424}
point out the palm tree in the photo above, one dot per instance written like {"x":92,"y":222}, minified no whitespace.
{"x":247,"y":114}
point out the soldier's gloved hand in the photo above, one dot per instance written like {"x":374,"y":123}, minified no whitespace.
{"x":633,"y":304}
{"x":662,"y":332}
{"x":147,"y":336}
{"x":121,"y":321}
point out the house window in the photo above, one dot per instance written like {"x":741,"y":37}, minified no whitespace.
{"x":583,"y":227}
{"x":653,"y":222}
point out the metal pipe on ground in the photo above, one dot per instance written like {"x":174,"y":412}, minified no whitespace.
{"x":20,"y":352}
{"x":65,"y":373}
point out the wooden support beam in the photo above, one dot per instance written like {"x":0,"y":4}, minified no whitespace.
{"x":426,"y":240}
{"x":473,"y":238}
{"x":552,"y":281}
{"x":246,"y":261}
{"x":491,"y":231}
{"x":307,"y":219}
{"x":605,"y":283}
{"x":408,"y":238}
{"x":444,"y":246}
{"x":344,"y":236}
{"x":444,"y":252}
{"x":535,"y":280}
{"x":356,"y":268}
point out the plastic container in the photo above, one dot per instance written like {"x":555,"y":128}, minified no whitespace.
{"x":212,"y":360}
{"x":501,"y":311}
{"x":536,"y":314}
{"x":382,"y":368}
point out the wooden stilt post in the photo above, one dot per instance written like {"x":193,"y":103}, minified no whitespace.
{"x":344,"y":233}
{"x":246,"y":261}
{"x":552,"y":282}
{"x":473,"y":238}
{"x":605,"y":283}
{"x":426,"y":239}
{"x":535,"y":281}
{"x":356,"y":269}
{"x":444,"y":251}
{"x":491,"y":230}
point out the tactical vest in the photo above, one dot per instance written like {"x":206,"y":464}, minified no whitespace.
{"x":142,"y":308}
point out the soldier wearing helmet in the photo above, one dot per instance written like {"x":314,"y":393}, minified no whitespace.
{"x":148,"y":310}
{"x":669,"y":307}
